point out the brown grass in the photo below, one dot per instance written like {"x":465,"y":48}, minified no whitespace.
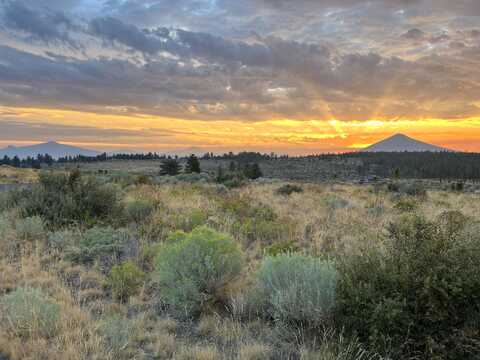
{"x":11,"y":175}
{"x":324,"y":219}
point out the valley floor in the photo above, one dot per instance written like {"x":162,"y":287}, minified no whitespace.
{"x":96,"y":268}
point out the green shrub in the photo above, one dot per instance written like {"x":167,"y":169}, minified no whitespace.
{"x":30,"y":228}
{"x":194,"y":178}
{"x":406,"y":204}
{"x":139,"y":210}
{"x":376,"y":208}
{"x":99,"y":242}
{"x":125,"y":280}
{"x":5,"y":225}
{"x":189,"y":220}
{"x":63,"y":199}
{"x":393,"y":187}
{"x":243,"y":208}
{"x":148,"y":254}
{"x":333,"y":346}
{"x":4,"y":201}
{"x":233,"y":183}
{"x":457,"y":186}
{"x":453,"y":222}
{"x":63,"y":239}
{"x":288,"y":189}
{"x":283,"y":247}
{"x":335,"y":202}
{"x":143,"y":180}
{"x":28,"y":312}
{"x":258,"y":229}
{"x":117,"y":333}
{"x":192,"y":268}
{"x":294,"y":288}
{"x":122,"y":178}
{"x":420,"y":297}
{"x":414,"y":189}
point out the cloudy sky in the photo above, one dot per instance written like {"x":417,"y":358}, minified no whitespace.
{"x":296,"y":76}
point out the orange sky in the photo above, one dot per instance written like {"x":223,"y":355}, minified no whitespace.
{"x":153,"y":133}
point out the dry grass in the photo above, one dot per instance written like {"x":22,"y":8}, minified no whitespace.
{"x":11,"y":175}
{"x":164,"y":346}
{"x":254,"y":351}
{"x":197,"y":352}
{"x":323,"y":219}
{"x":76,"y":337}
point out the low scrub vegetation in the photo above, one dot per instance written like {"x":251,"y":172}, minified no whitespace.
{"x":63,"y":199}
{"x":99,"y":244}
{"x":194,"y":268}
{"x":296,"y":289}
{"x":289,"y":189}
{"x":27,"y":312}
{"x":112,"y":266}
{"x":416,"y":298}
{"x":125,"y":280}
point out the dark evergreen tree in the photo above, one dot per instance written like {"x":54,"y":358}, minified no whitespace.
{"x":16,"y":161}
{"x":193,"y":165}
{"x":252,"y":171}
{"x":169,"y":167}
{"x":220,"y":174}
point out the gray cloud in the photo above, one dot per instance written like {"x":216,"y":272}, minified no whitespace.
{"x":114,"y":30}
{"x":45,"y":25}
{"x":414,"y":34}
{"x":344,"y":69}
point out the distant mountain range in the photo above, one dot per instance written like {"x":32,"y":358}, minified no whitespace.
{"x":57,"y":150}
{"x":395,"y":143}
{"x":402,"y":143}
{"x":52,"y":148}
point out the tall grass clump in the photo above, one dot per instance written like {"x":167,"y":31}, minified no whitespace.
{"x":420,"y":296}
{"x":335,"y":346}
{"x":297,"y":289}
{"x":27,"y":312}
{"x":117,"y":333}
{"x":193,"y":268}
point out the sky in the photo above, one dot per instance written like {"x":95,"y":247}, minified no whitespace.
{"x":289,"y":76}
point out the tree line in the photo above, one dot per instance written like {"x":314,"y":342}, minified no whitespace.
{"x":420,"y":165}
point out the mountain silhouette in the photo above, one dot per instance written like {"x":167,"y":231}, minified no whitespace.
{"x":52,"y":148}
{"x":403,"y":143}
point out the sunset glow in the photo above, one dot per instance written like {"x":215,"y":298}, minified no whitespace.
{"x":317,"y":77}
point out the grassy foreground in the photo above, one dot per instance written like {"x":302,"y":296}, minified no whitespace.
{"x":109,"y":268}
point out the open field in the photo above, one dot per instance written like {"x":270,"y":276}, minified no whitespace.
{"x":289,"y":169}
{"x":262,"y":271}
{"x":11,"y":175}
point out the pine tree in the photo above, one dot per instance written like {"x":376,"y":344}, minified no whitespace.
{"x":220,"y":175}
{"x":169,"y":167}
{"x":252,"y":171}
{"x":193,"y":165}
{"x":396,"y":173}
